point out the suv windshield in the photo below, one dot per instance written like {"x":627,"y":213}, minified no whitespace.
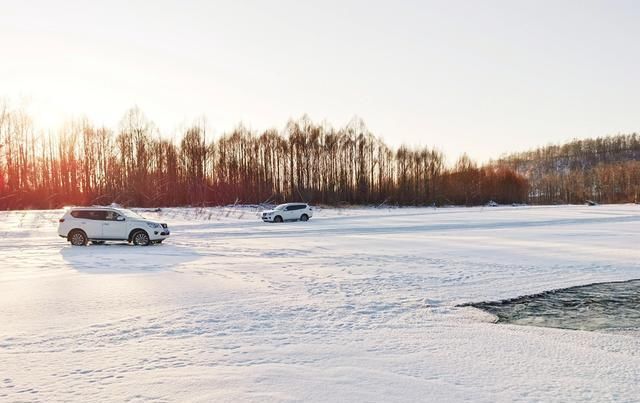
{"x":280,"y":207}
{"x":131,"y":214}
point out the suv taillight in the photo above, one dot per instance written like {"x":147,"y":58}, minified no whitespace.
{"x":61,"y":220}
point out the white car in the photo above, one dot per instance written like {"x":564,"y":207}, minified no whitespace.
{"x":99,"y":224}
{"x":288,"y":212}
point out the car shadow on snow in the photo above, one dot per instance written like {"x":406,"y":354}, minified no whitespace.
{"x":121,"y":257}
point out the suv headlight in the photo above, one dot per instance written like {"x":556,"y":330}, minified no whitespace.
{"x":153,"y":225}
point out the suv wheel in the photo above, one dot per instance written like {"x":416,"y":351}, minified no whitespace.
{"x":277,"y":219}
{"x":304,"y":217}
{"x":141,"y":238}
{"x":77,"y":238}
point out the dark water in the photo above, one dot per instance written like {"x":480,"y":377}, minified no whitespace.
{"x":602,"y":306}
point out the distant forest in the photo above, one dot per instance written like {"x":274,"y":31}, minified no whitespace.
{"x":603,"y":170}
{"x":135,"y":165}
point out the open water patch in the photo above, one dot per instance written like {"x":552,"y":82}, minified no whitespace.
{"x":601,"y":306}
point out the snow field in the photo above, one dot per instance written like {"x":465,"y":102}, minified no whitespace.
{"x":354,"y":305}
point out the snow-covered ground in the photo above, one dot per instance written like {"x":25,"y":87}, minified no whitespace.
{"x":354,"y":305}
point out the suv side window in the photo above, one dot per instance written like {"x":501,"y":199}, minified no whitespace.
{"x":111,"y":216}
{"x":83,"y":214}
{"x":296,"y":207}
{"x":89,"y":214}
{"x":98,"y":215}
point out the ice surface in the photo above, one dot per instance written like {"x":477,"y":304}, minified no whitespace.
{"x":354,"y":305}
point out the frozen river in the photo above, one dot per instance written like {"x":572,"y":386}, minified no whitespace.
{"x":354,"y":305}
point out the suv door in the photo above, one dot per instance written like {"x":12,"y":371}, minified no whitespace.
{"x":294,"y":211}
{"x":114,"y":226}
{"x":300,"y":211}
{"x":90,"y":221}
{"x":289,"y":212}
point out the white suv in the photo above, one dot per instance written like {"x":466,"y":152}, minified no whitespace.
{"x":99,"y":224}
{"x":288,"y":212}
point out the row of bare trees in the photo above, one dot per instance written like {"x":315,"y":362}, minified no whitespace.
{"x":604,"y":170}
{"x":134,"y":165}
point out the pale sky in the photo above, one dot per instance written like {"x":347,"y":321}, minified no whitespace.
{"x":485,"y":77}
